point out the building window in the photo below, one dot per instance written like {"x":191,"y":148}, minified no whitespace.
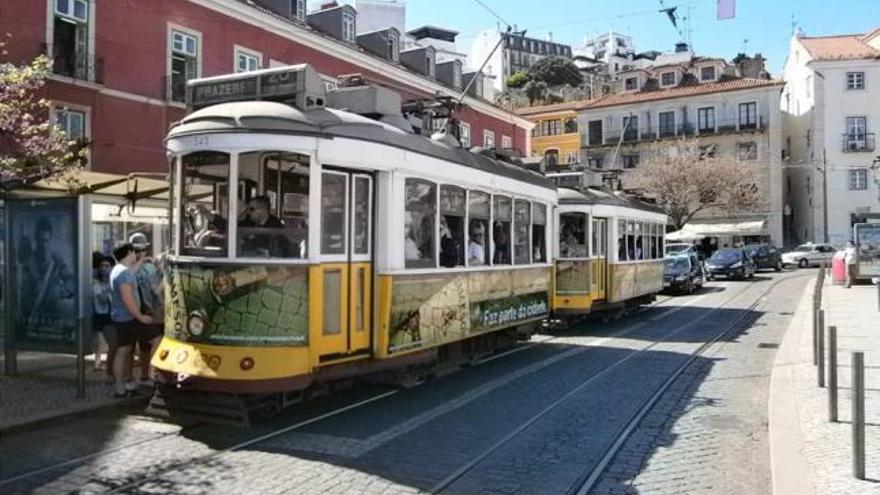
{"x":393,"y":50}
{"x":595,"y":162}
{"x":594,"y":132}
{"x":570,"y":125}
{"x":465,"y":135}
{"x":630,"y":128}
{"x":856,"y":133}
{"x":301,"y":10}
{"x":707,"y":74}
{"x":858,"y":179}
{"x":666,"y":124}
{"x":184,"y":63}
{"x":71,"y":122}
{"x":855,"y":80}
{"x":747,"y":151}
{"x":551,"y":159}
{"x":247,"y":60}
{"x":506,"y":142}
{"x":630,"y":160}
{"x":631,"y":83}
{"x":667,"y":79}
{"x":488,"y":139}
{"x":70,"y":51}
{"x":748,"y":115}
{"x":429,"y":64}
{"x":706,"y":120}
{"x":571,"y":157}
{"x":348,"y":27}
{"x":456,"y":76}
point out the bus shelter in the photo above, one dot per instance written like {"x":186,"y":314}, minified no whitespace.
{"x":50,"y":232}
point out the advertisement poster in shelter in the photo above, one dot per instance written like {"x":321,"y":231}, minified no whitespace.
{"x":43,"y":252}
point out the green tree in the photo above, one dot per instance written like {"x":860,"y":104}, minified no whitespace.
{"x":535,"y":91}
{"x":32,"y":147}
{"x":517,"y":79}
{"x":555,"y":71}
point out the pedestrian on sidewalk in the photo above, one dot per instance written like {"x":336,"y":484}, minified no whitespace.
{"x":101,"y":322}
{"x":125,"y":311}
{"x":850,"y":261}
{"x":149,"y":287}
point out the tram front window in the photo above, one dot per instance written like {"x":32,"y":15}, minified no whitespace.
{"x":273,"y":220}
{"x":205,"y":204}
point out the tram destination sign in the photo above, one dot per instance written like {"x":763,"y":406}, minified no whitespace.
{"x":276,"y":85}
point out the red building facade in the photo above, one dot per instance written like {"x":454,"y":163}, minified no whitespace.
{"x":114,"y":60}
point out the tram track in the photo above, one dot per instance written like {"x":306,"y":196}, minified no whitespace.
{"x":584,"y":483}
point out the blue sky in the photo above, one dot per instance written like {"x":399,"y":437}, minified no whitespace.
{"x":766,"y":24}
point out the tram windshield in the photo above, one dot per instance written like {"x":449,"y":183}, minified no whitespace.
{"x":271,"y":211}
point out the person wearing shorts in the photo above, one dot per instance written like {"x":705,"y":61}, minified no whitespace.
{"x":125,"y":311}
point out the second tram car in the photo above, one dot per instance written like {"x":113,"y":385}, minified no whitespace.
{"x":311,"y":244}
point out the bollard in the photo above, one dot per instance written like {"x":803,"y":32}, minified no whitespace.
{"x":815,"y":331}
{"x":832,"y":374}
{"x":820,"y":353}
{"x":858,"y":414}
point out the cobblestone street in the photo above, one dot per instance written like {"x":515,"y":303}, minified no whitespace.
{"x":540,"y":420}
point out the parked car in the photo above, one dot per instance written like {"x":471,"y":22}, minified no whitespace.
{"x":808,"y":255}
{"x":731,"y":263}
{"x":682,"y":273}
{"x":765,"y":256}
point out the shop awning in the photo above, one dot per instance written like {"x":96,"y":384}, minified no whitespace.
{"x":698,"y":230}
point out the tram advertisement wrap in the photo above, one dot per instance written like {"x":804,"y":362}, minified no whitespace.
{"x":238,"y":305}
{"x":44,"y":246}
{"x":432,"y":309}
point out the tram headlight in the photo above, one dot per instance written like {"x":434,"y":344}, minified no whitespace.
{"x":196,"y":324}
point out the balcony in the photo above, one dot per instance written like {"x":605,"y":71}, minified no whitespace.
{"x":688,"y":129}
{"x":858,"y":142}
{"x":74,"y":64}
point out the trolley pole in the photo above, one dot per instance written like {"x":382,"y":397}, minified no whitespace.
{"x":832,"y":374}
{"x":820,"y":353}
{"x":858,"y":414}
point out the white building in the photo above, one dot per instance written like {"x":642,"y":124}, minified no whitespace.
{"x":831,"y":104}
{"x":376,"y":15}
{"x":729,"y":114}
{"x":515,"y":53}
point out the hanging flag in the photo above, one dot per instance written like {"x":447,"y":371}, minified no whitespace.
{"x":726,"y":9}
{"x":673,"y":18}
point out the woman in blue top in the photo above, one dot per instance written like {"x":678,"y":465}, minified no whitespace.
{"x":125,"y":311}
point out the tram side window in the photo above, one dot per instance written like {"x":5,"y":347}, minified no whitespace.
{"x":521,"y":222}
{"x":419,"y":217}
{"x":621,"y":240}
{"x":452,"y":213}
{"x":572,"y":235}
{"x":502,"y":215}
{"x":658,"y":232}
{"x":205,"y":205}
{"x":274,"y":221}
{"x":640,"y":240}
{"x":478,"y":228}
{"x":539,"y":233}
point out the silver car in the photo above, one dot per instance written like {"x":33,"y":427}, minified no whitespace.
{"x":809,"y":255}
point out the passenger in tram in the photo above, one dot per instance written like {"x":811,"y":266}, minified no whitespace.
{"x":638,"y":251}
{"x":411,"y":247}
{"x":255,"y":242}
{"x":477,"y":243}
{"x":502,"y":243}
{"x":451,"y":244}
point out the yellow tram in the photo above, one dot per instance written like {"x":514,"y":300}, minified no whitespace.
{"x":311,"y":244}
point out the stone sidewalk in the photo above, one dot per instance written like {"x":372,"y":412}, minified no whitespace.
{"x":45,"y":389}
{"x":809,"y":454}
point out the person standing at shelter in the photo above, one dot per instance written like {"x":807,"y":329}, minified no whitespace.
{"x":125,"y":311}
{"x":849,"y":259}
{"x":149,"y":287}
{"x":101,"y":300}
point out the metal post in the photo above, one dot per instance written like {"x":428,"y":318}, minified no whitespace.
{"x":815,"y":330}
{"x":820,"y":353}
{"x":832,"y":374}
{"x":858,"y":414}
{"x":81,"y":361}
{"x":878,"y":295}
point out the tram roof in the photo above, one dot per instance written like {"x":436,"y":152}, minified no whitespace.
{"x":599,"y":197}
{"x":278,"y":118}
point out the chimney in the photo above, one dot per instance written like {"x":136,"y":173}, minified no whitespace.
{"x":681,"y":47}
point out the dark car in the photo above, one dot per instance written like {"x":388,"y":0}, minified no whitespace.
{"x":682,"y":273}
{"x":730,"y":263}
{"x":765,"y":256}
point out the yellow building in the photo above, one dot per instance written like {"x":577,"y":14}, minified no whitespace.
{"x":555,"y":135}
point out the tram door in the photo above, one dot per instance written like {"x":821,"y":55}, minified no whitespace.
{"x":345,"y":277}
{"x":600,"y":258}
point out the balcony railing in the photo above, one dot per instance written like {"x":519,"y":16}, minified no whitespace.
{"x":688,"y":129}
{"x":858,"y":142}
{"x":74,"y":64}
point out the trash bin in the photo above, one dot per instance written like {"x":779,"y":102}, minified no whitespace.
{"x":838,"y":268}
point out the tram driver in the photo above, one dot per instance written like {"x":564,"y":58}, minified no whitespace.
{"x":255,"y":236}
